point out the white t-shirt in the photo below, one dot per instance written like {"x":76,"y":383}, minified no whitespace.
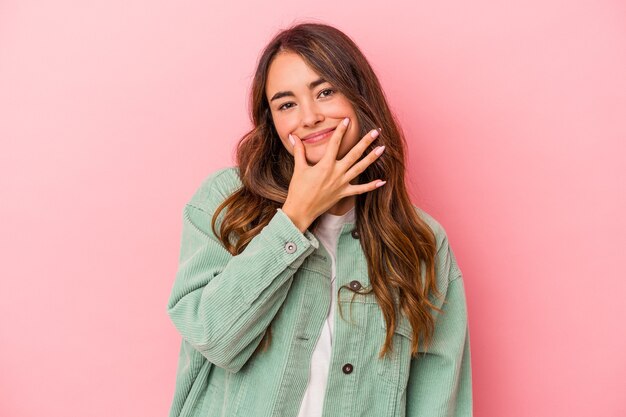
{"x":327,"y":232}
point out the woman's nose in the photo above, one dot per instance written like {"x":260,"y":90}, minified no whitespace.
{"x":311,"y":114}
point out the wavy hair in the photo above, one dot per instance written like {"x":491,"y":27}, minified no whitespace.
{"x":396,"y":242}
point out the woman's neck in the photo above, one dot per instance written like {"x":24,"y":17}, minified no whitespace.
{"x":342,"y":206}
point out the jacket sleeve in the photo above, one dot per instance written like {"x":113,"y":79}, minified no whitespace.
{"x":222,"y":304}
{"x":440,"y":380}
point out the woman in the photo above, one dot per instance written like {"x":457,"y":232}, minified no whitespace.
{"x":315,"y":216}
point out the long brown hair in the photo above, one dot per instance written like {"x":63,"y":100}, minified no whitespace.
{"x":396,"y":242}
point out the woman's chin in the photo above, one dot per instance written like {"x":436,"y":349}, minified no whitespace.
{"x":313,"y":161}
{"x":313,"y":157}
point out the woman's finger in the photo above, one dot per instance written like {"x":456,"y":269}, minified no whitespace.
{"x":298,"y":151}
{"x":357,"y":150}
{"x":363,"y":188}
{"x":360,"y":166}
{"x":335,"y":140}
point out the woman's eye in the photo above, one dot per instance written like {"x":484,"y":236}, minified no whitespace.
{"x":329,"y":90}
{"x":282,"y":107}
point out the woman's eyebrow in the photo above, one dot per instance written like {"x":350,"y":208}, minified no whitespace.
{"x":312,"y":85}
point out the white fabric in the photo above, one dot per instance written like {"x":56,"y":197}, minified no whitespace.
{"x":327,"y":232}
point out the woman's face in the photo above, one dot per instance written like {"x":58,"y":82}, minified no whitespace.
{"x":303,"y":104}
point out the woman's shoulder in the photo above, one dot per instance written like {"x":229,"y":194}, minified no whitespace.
{"x":446,"y":263}
{"x":215,"y":188}
{"x":433,"y":223}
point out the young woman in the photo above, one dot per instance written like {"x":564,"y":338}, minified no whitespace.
{"x":309,"y":284}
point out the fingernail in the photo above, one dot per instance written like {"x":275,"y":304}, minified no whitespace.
{"x":346,"y":121}
{"x":375,"y":134}
{"x":378,"y":151}
{"x":380,"y":183}
{"x":292,"y":140}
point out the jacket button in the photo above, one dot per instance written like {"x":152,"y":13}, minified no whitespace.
{"x":355,"y":234}
{"x":290,"y":247}
{"x":355,"y":285}
{"x":347,"y":368}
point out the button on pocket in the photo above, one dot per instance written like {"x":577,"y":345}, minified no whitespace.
{"x":290,"y":247}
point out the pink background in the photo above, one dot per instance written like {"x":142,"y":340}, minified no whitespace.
{"x":112,"y":112}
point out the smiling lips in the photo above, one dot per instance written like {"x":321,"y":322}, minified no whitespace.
{"x":317,"y":136}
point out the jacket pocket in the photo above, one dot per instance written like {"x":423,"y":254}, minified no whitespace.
{"x":395,"y":365}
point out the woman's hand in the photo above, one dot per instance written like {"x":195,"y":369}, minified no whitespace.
{"x":315,"y":189}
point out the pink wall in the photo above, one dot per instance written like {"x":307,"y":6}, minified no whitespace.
{"x":112,"y":112}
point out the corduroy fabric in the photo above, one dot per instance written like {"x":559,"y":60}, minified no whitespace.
{"x":221,"y":306}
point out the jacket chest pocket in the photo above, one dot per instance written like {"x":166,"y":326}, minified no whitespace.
{"x":394,"y":367}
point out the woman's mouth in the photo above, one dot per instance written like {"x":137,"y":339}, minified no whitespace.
{"x":318,"y":138}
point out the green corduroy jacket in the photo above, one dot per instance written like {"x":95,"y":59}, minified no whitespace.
{"x":222,"y":304}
